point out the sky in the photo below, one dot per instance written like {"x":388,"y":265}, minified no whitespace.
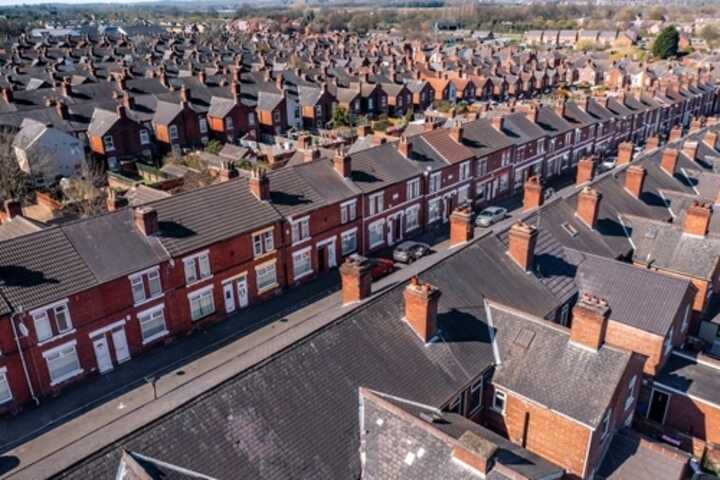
{"x":7,"y":3}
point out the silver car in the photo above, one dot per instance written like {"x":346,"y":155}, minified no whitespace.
{"x":408,"y":252}
{"x":490,"y":216}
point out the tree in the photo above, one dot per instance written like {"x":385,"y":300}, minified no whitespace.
{"x":85,"y":195}
{"x":341,"y":117}
{"x":13,"y":181}
{"x":666,"y":43}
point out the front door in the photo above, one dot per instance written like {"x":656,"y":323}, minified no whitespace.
{"x":122,"y":353}
{"x":242,"y":292}
{"x":102,"y":354}
{"x":229,"y":297}
{"x":332,"y":261}
{"x":658,"y":406}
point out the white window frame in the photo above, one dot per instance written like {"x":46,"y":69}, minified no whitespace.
{"x":348,"y":211}
{"x":434,"y":205}
{"x":65,"y":347}
{"x":108,"y":143}
{"x":174,"y":132}
{"x":631,"y":392}
{"x":435,"y":182}
{"x":302,"y":257}
{"x":41,"y":314}
{"x":479,"y":385}
{"x":413,"y":189}
{"x":347,"y":234}
{"x":197,"y":267}
{"x":376,"y":201}
{"x":686,"y":319}
{"x":464,"y":171}
{"x":144,"y":137}
{"x":229,"y":124}
{"x":150,"y":275}
{"x":381,"y":224}
{"x":300,"y":230}
{"x":258,"y":269}
{"x":497,"y":395}
{"x":668,"y":341}
{"x":202,"y":293}
{"x":5,"y":385}
{"x":263,"y":242}
{"x":251,"y":119}
{"x":202,"y":122}
{"x":146,"y":317}
{"x":605,"y":424}
{"x":412,"y":212}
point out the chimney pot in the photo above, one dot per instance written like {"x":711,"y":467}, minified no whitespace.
{"x":146,"y":220}
{"x":461,"y":227}
{"x":589,"y":322}
{"x":405,"y":147}
{"x":532,"y":193}
{"x":497,"y":122}
{"x":697,"y":218}
{"x":585,"y":170}
{"x":588,"y":206}
{"x":311,"y":154}
{"x":356,"y":279}
{"x":421,"y":308}
{"x":521,"y":244}
{"x":669,"y":160}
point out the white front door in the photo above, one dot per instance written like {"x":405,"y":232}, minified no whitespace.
{"x":122,"y":353}
{"x":229,"y":297}
{"x":242,"y":292}
{"x":102,"y":354}
{"x":332,"y":261}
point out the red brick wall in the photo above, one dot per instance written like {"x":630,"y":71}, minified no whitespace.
{"x":696,"y":418}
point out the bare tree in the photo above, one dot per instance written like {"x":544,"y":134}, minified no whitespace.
{"x":85,"y":195}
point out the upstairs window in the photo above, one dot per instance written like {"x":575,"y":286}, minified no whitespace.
{"x":108,"y":142}
{"x":506,"y":158}
{"x":229,"y":125}
{"x":605,"y":428}
{"x":144,"y":137}
{"x":348,"y":211}
{"x":197,"y":267}
{"x":300,"y":229}
{"x":5,"y":393}
{"x":203,"y":125}
{"x":263,"y":243}
{"x":52,"y":321}
{"x":145,"y":285}
{"x":435,"y":182}
{"x":413,"y":189}
{"x":376,"y":203}
{"x":464,"y":171}
{"x":251,"y":119}
{"x":499,"y":401}
{"x":174,"y":135}
{"x":631,"y":392}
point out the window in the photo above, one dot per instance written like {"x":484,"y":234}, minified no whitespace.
{"x":463,"y":194}
{"x":499,"y":401}
{"x":276,"y":116}
{"x":669,"y":340}
{"x":348,"y":211}
{"x":370,"y":103}
{"x":464,"y":171}
{"x":631,"y":392}
{"x":504,"y":182}
{"x":109,"y":144}
{"x":202,"y":303}
{"x":229,"y":123}
{"x":606,"y":424}
{"x":376,"y":233}
{"x":434,"y":210}
{"x":300,"y":229}
{"x":266,"y":276}
{"x":564,"y":315}
{"x":376,"y":203}
{"x":197,"y":267}
{"x":251,"y":119}
{"x":475,"y":397}
{"x":52,"y":321}
{"x":540,"y":146}
{"x":318,"y":110}
{"x":348,"y":241}
{"x":5,"y":393}
{"x":686,"y":318}
{"x":412,"y":218}
{"x":174,"y":135}
{"x":145,"y":285}
{"x":203,"y":125}
{"x":152,"y":324}
{"x":457,"y":405}
{"x":413,"y":189}
{"x":62,"y":363}
{"x":435,"y":182}
{"x":263,"y":243}
{"x":568,"y":138}
{"x":482,"y":168}
{"x":144,"y":137}
{"x":302,"y":263}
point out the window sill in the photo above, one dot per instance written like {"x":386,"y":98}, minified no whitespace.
{"x":303,"y":275}
{"x":264,"y":255}
{"x":56,"y":337}
{"x":198,"y":282}
{"x":67,"y":377}
{"x":300,"y":242}
{"x":268,"y":288}
{"x":204,"y":316}
{"x":155,"y":337}
{"x":148,"y":300}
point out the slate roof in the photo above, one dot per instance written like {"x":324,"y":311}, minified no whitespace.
{"x":377,"y":167}
{"x":18,"y":226}
{"x":630,"y":458}
{"x":483,"y":139}
{"x":700,"y":380}
{"x":552,"y":371}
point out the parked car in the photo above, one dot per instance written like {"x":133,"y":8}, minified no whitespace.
{"x":380,"y":267}
{"x":490,"y":216}
{"x":408,"y":252}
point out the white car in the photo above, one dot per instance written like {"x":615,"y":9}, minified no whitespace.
{"x":490,"y":216}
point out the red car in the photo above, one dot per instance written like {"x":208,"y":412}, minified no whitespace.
{"x":381,"y":267}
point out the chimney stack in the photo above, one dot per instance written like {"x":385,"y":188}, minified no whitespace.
{"x":146,"y":220}
{"x":461,"y":227}
{"x":311,"y":154}
{"x":589,"y":321}
{"x":669,"y":160}
{"x":634,"y":180}
{"x":475,"y":451}
{"x":690,"y":149}
{"x":356,"y":279}
{"x":421,"y":308}
{"x":62,"y":110}
{"x":120,"y":110}
{"x":304,"y":142}
{"x":128,"y":101}
{"x":625,"y":153}
{"x":115,"y":201}
{"x":697,"y":218}
{"x":343,"y":164}
{"x":652,"y":143}
{"x":184,"y":94}
{"x":711,"y":138}
{"x":585,"y":170}
{"x":456,"y":133}
{"x":8,"y":94}
{"x":521,"y":244}
{"x":532,"y":193}
{"x":260,"y":184}
{"x":13,"y":208}
{"x":236,"y":91}
{"x":675,"y":133}
{"x":588,"y":206}
{"x":405,"y":147}
{"x":497,"y":122}
{"x":67,"y":89}
{"x":364,"y":131}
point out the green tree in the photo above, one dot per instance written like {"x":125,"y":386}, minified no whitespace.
{"x":666,"y":43}
{"x":341,"y":117}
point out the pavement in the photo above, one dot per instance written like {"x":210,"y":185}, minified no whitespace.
{"x":61,"y":431}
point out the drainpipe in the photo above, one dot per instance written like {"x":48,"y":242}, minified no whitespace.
{"x":22,"y":357}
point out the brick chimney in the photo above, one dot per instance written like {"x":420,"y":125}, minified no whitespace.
{"x":304,"y":142}
{"x":121,"y":112}
{"x":405,"y":147}
{"x":669,"y":160}
{"x":521,"y":244}
{"x":62,"y":110}
{"x":67,"y":89}
{"x":634,"y":180}
{"x":695,"y":125}
{"x":690,"y":149}
{"x":697,"y":218}
{"x":711,"y":138}
{"x":184,"y":94}
{"x":532,"y":193}
{"x":260,"y":184}
{"x":356,"y":279}
{"x":364,"y":130}
{"x":8,"y":94}
{"x":461,"y":227}
{"x":311,"y":154}
{"x":625,"y":153}
{"x":456,"y":133}
{"x":585,"y":170}
{"x":236,"y":91}
{"x":589,"y":321}
{"x":13,"y":208}
{"x":588,"y":206}
{"x":532,"y":111}
{"x":146,"y":220}
{"x":497,"y":122}
{"x":475,"y":451}
{"x":652,"y":143}
{"x":343,"y":164}
{"x":560,"y":106}
{"x":421,"y":308}
{"x":128,"y":101}
{"x":675,"y":134}
{"x":115,"y":201}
